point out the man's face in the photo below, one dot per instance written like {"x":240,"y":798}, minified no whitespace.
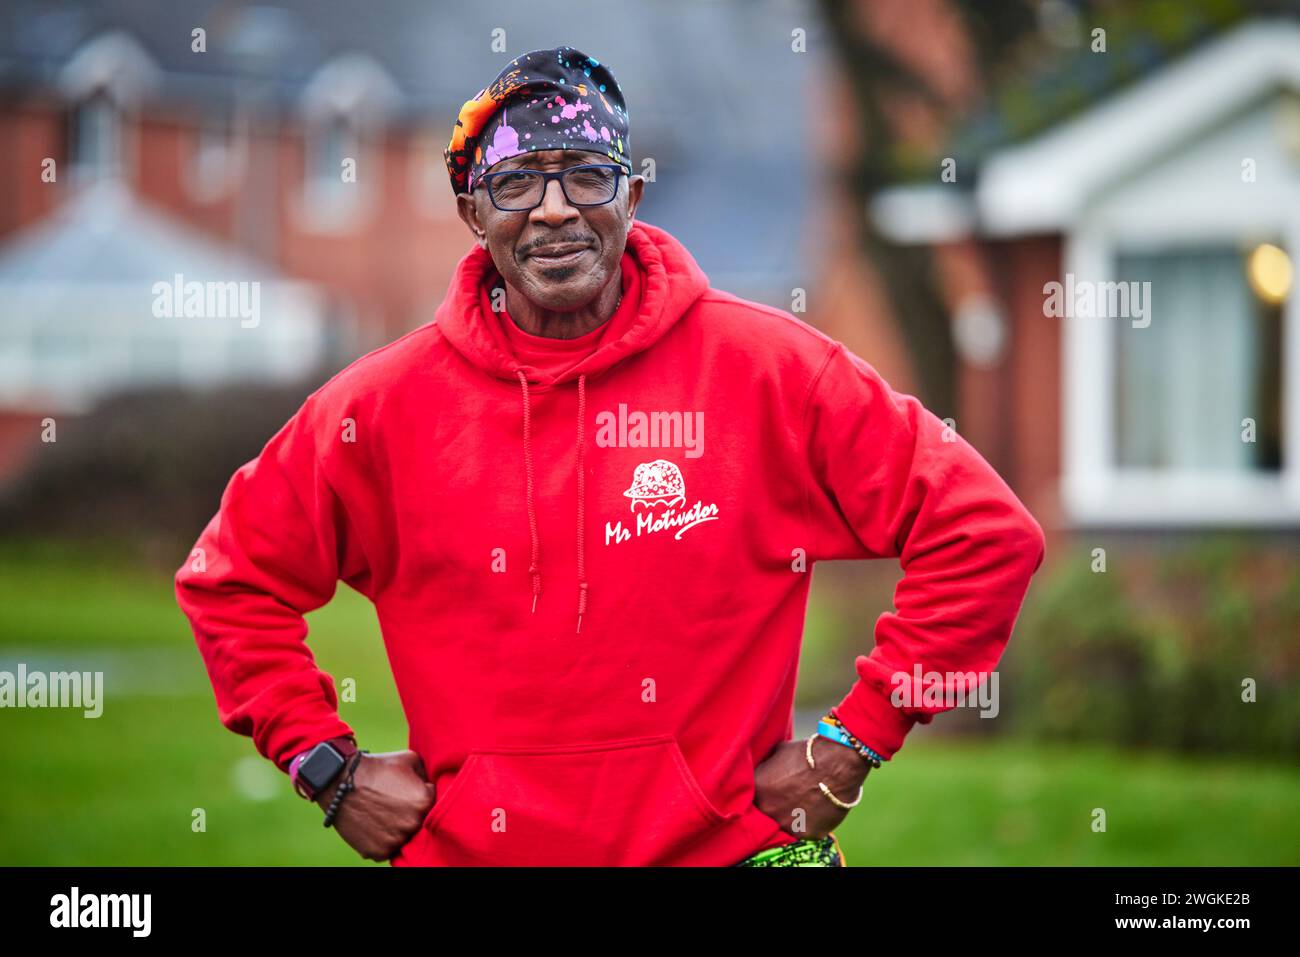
{"x":556,"y":255}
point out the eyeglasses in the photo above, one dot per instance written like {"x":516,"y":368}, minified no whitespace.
{"x":519,"y":190}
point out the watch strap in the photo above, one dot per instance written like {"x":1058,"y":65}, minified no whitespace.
{"x":345,"y":745}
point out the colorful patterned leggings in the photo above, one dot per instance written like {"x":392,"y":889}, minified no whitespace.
{"x":809,"y":852}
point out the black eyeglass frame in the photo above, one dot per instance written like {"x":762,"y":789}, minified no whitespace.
{"x":547,"y":176}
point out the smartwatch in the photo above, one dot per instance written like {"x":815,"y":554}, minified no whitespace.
{"x":314,"y":769}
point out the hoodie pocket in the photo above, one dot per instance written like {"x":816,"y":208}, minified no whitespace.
{"x":630,"y":802}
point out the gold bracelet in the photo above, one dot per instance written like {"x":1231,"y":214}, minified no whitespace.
{"x":825,"y":790}
{"x":836,"y":801}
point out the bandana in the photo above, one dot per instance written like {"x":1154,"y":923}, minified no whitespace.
{"x":545,"y":100}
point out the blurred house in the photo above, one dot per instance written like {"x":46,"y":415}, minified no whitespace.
{"x":95,"y":303}
{"x":138,"y":152}
{"x":213,"y":142}
{"x":1122,"y":292}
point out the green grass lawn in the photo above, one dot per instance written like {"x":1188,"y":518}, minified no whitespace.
{"x":123,"y":788}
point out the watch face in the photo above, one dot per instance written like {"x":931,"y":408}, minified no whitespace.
{"x":321,"y":766}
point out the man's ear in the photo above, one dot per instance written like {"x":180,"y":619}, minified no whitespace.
{"x":467,"y":209}
{"x":635,"y":186}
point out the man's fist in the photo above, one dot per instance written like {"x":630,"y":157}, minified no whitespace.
{"x":386,"y":806}
{"x":784,"y":784}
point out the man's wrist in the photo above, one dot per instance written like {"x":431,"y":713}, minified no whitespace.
{"x":841,"y":767}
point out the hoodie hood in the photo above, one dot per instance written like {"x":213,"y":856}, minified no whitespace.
{"x":670,"y":283}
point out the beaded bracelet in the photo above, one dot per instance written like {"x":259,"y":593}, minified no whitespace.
{"x":342,"y":790}
{"x":831,"y":727}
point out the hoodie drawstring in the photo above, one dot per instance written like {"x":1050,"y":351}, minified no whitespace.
{"x":582,"y":474}
{"x":534,"y":569}
{"x":532,"y":512}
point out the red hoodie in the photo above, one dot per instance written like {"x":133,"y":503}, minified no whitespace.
{"x":592,"y":583}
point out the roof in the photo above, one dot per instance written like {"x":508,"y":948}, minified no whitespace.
{"x":1042,"y":184}
{"x":81,"y":242}
{"x":713,"y":92}
{"x":1058,"y":75}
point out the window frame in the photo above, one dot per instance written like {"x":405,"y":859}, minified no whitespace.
{"x":1095,"y":491}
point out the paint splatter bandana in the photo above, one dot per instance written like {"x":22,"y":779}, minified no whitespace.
{"x":545,"y":100}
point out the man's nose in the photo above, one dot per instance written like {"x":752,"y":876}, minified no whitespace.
{"x":554,"y":207}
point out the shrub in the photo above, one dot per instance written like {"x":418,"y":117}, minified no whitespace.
{"x":145,"y":469}
{"x":1154,"y":651}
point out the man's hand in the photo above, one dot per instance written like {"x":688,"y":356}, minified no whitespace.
{"x":389,"y":800}
{"x":784,"y":785}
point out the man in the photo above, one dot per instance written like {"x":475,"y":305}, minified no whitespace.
{"x":585,"y":500}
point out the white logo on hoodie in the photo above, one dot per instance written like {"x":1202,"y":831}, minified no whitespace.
{"x":657,"y":489}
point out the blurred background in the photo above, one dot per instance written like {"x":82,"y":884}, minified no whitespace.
{"x":910,"y":176}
